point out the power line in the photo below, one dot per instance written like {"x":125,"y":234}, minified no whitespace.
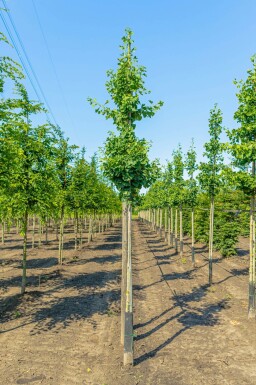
{"x":23,"y":62}
{"x":52,"y":62}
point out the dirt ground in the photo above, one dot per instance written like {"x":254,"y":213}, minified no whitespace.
{"x":66,"y":329}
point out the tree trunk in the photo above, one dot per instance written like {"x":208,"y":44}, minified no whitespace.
{"x":57,"y":231}
{"x":76,"y":229}
{"x":165,"y":224}
{"x":90,"y":229}
{"x":252,"y":268}
{"x":211,"y":239}
{"x":124,"y":267}
{"x":61,"y":236}
{"x":181,"y":233}
{"x":80,"y":232}
{"x":39,"y":233}
{"x":176,"y":230}
{"x":128,"y":338}
{"x":3,"y":232}
{"x":46,"y":231}
{"x":193,"y":235}
{"x":160,"y":222}
{"x":33,"y":231}
{"x":171,"y":229}
{"x":24,"y":256}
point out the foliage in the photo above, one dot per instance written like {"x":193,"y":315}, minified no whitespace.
{"x":125,"y":87}
{"x":243,"y":139}
{"x":125,"y":157}
{"x":209,"y":176}
{"x":126,"y":164}
{"x":191,"y":185}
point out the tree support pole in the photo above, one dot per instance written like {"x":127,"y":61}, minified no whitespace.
{"x":252,"y":268}
{"x":128,"y":338}
{"x":211,"y":239}
{"x":193,"y":235}
{"x":124,"y":267}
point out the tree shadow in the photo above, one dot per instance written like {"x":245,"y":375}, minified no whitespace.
{"x":179,"y":275}
{"x":165,"y":263}
{"x":108,"y":246}
{"x":140,"y":287}
{"x":101,"y":260}
{"x":38,"y":263}
{"x":61,"y":312}
{"x":234,"y":273}
{"x":10,"y":306}
{"x":189,"y":316}
{"x":16,"y":281}
{"x":239,"y":272}
{"x":10,"y":261}
{"x":94,"y":280}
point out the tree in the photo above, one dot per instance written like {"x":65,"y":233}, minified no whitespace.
{"x":29,"y":168}
{"x":125,"y":158}
{"x":243,"y":148}
{"x":192,"y":190}
{"x":64,"y":155}
{"x":178,"y":194}
{"x":210,"y":172}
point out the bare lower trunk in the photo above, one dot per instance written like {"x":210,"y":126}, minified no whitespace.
{"x":24,"y":256}
{"x":39,"y":232}
{"x":128,"y":340}
{"x":160,"y":222}
{"x":193,"y":235}
{"x":181,"y":233}
{"x":33,"y":231}
{"x":124,"y":268}
{"x":169,"y":227}
{"x":90,"y":230}
{"x":46,"y":231}
{"x":211,"y":239}
{"x":61,"y":236}
{"x":252,"y":268}
{"x":165,"y":224}
{"x":80,"y":233}
{"x":76,"y":230}
{"x":3,"y":228}
{"x":176,"y":230}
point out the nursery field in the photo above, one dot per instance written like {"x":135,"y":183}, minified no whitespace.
{"x":66,"y":328}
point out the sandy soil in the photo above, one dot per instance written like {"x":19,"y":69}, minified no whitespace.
{"x":65,"y":330}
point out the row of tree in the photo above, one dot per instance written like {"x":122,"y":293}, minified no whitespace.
{"x":41,"y":173}
{"x":226,"y":191}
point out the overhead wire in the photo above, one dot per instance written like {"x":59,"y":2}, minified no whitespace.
{"x":52,"y":62}
{"x":24,"y":65}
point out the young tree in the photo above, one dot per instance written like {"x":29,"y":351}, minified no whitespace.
{"x":29,"y":169}
{"x":210,"y":172}
{"x":64,"y":155}
{"x":192,"y":191}
{"x":178,"y":194}
{"x":243,"y":149}
{"x":125,"y":159}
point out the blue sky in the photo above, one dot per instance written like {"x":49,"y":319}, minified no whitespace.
{"x":193,"y":50}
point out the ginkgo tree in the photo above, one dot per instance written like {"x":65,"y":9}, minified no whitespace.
{"x":191,"y":191}
{"x":210,"y":171}
{"x":125,"y":158}
{"x":243,"y":149}
{"x":30,"y":169}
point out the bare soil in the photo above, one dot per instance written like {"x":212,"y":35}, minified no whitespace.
{"x":66,"y":329}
